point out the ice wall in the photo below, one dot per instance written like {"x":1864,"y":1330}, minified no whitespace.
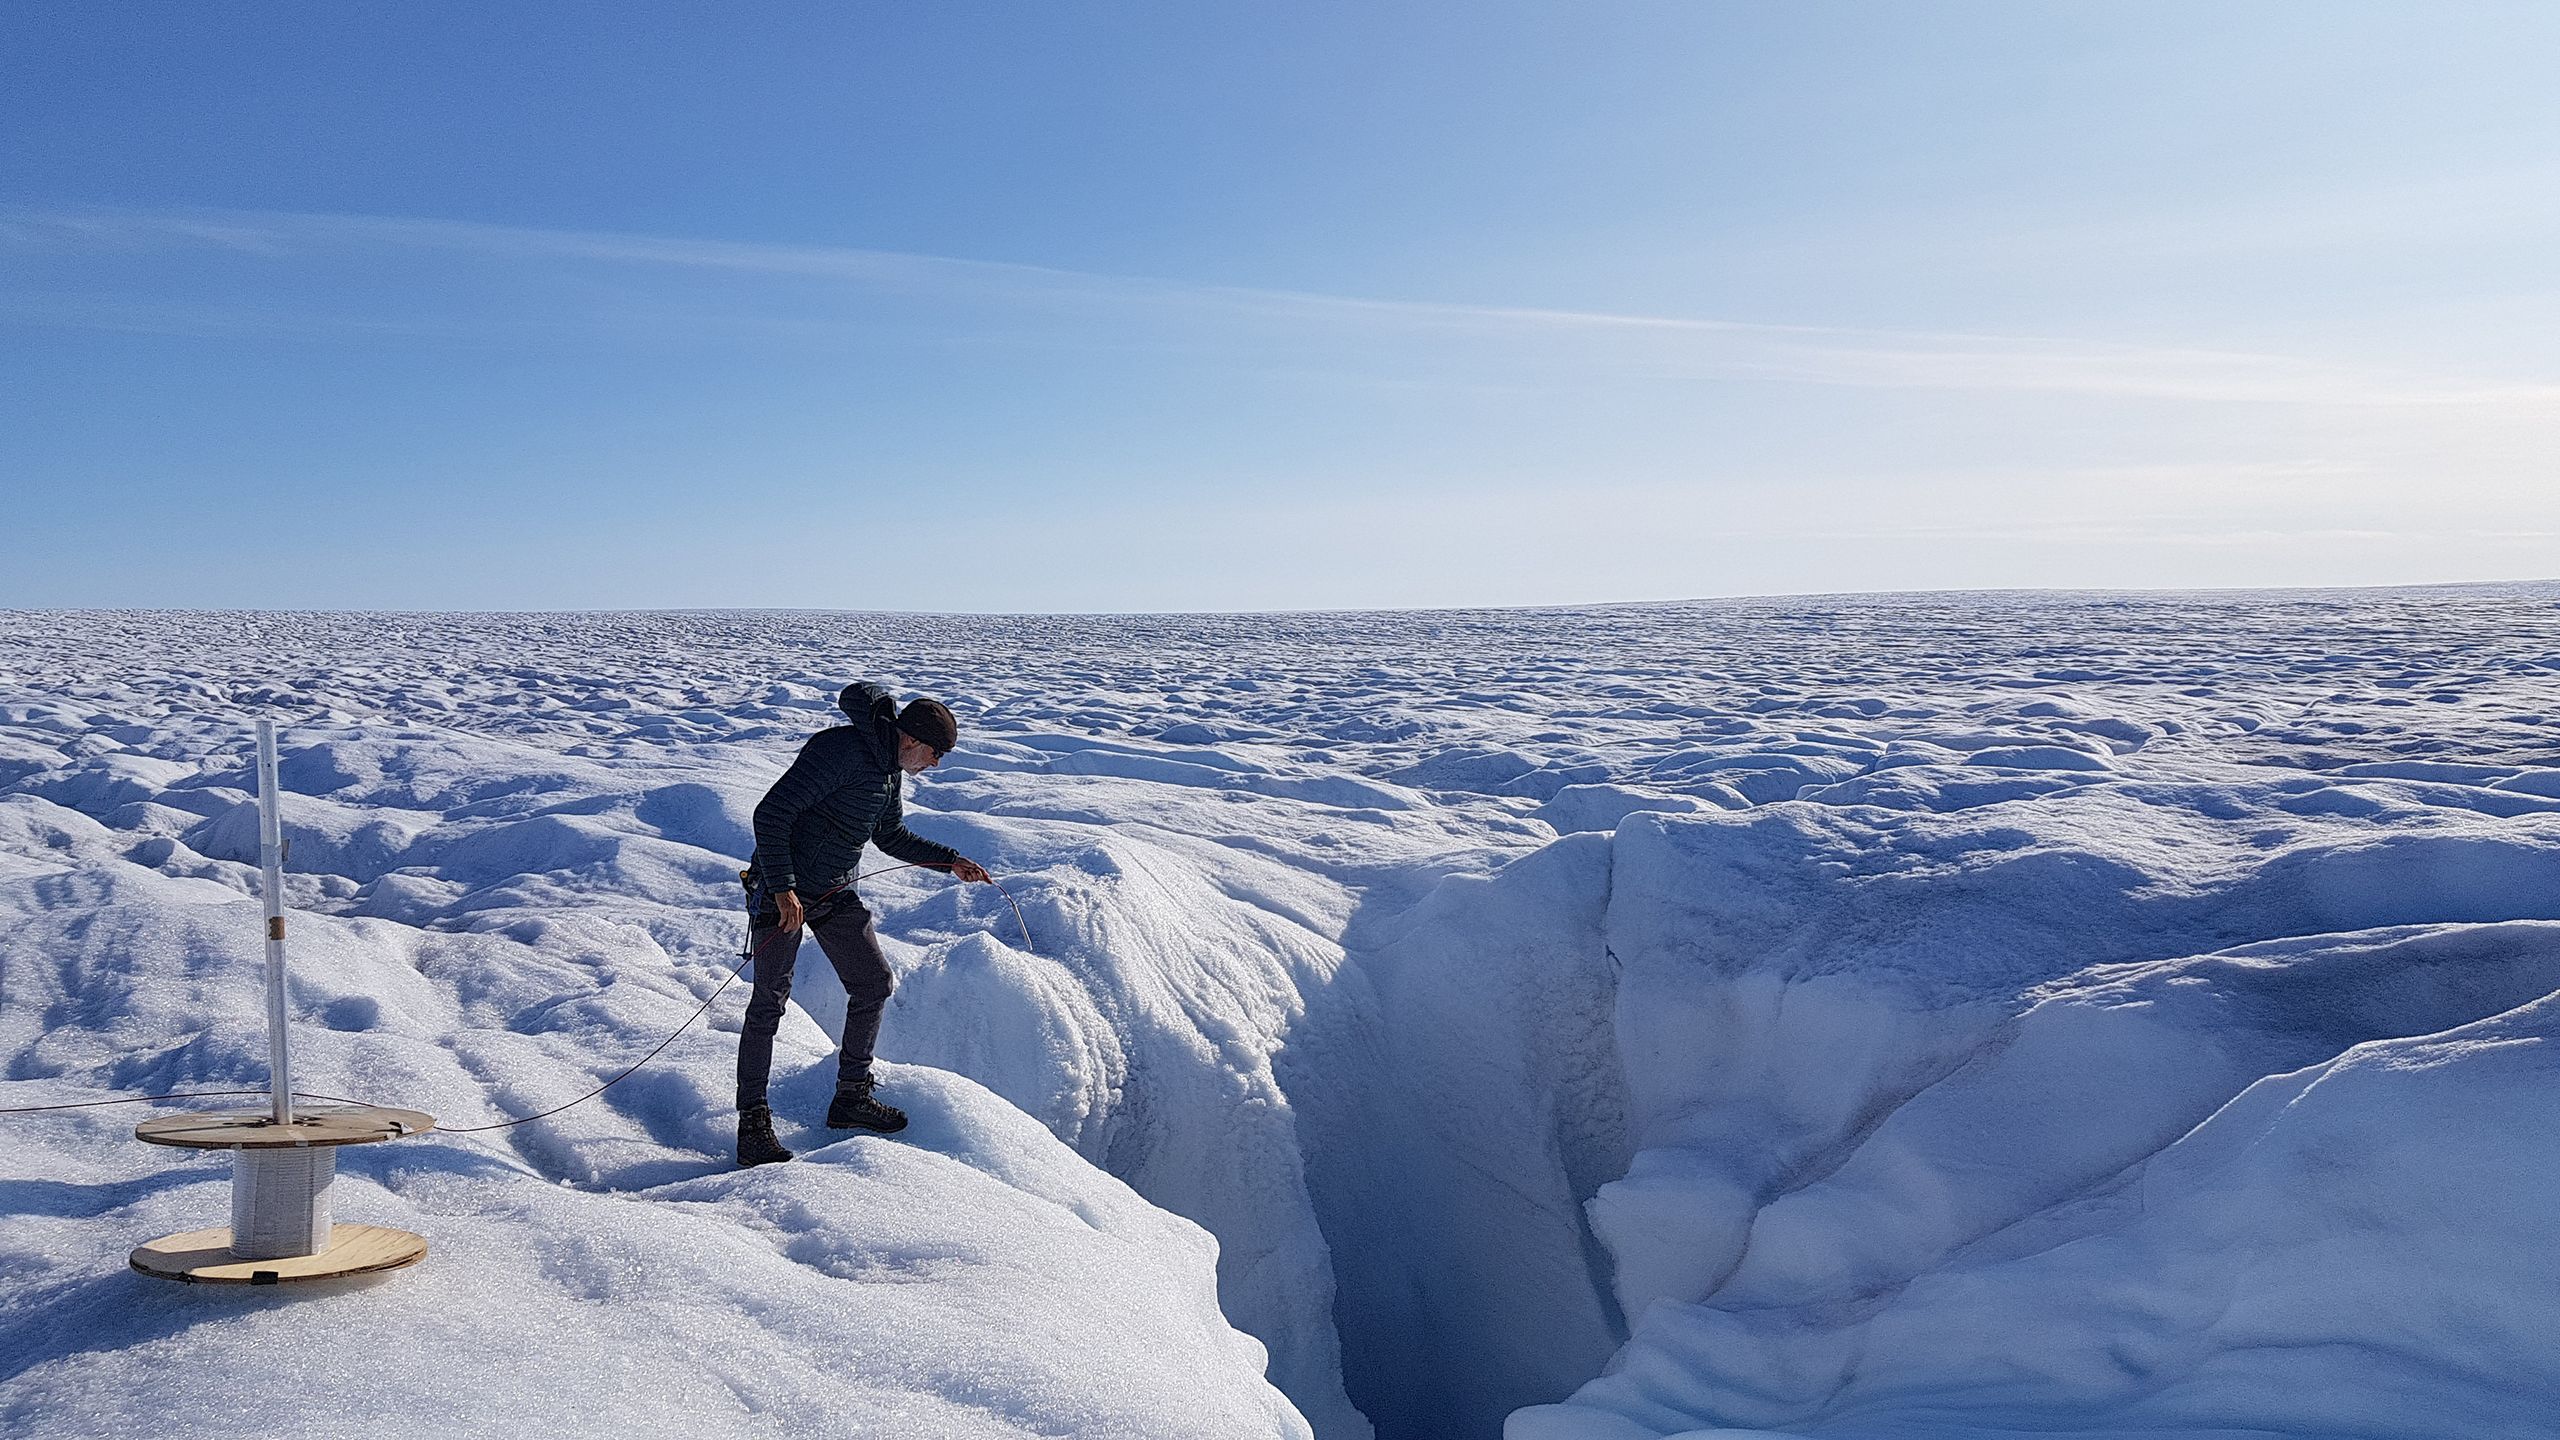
{"x":1142,"y":1030}
{"x":1459,"y":1097}
{"x":2165,"y":1106}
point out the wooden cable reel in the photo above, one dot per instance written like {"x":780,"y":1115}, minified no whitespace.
{"x":281,"y":1228}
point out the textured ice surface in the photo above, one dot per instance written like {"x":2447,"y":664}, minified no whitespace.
{"x":1877,"y":1017}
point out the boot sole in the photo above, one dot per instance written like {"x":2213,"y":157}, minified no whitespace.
{"x":873,"y":1129}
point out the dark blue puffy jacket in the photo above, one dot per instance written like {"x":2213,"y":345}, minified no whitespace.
{"x":843,"y":790}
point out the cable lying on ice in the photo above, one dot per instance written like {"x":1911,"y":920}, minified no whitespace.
{"x":746,"y":957}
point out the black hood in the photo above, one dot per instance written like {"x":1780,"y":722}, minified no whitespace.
{"x":874,"y":713}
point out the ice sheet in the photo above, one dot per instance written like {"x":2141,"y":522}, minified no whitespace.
{"x":1867,"y":1016}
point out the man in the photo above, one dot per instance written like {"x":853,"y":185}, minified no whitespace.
{"x":810,"y":828}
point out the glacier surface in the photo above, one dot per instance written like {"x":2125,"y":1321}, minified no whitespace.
{"x":1845,"y":1017}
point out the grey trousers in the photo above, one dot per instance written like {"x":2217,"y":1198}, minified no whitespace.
{"x":842,"y":925}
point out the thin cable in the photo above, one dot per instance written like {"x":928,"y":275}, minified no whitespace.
{"x":992,"y":880}
{"x":132,"y":1100}
{"x":743,"y":962}
{"x":178,"y":1095}
{"x":745,"y":959}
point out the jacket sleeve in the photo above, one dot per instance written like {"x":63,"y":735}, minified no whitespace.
{"x":891,"y":834}
{"x":809,"y":780}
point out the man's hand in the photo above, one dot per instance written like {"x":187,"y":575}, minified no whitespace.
{"x":971,"y":871}
{"x":788,"y":904}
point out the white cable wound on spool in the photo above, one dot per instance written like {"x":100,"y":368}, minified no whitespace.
{"x":280,"y":1201}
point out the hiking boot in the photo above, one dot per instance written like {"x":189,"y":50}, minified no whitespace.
{"x":756,"y":1142}
{"x":854,"y":1109}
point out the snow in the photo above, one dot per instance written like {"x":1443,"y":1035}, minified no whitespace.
{"x":1846,"y":1017}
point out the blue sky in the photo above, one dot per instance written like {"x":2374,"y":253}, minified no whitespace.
{"x":1244,"y":306}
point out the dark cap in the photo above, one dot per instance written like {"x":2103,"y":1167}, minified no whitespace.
{"x":930,"y":721}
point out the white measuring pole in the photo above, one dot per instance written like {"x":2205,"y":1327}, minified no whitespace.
{"x":271,"y":856}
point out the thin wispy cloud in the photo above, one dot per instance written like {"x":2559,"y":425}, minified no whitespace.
{"x":2502,"y":205}
{"x":1548,"y":340}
